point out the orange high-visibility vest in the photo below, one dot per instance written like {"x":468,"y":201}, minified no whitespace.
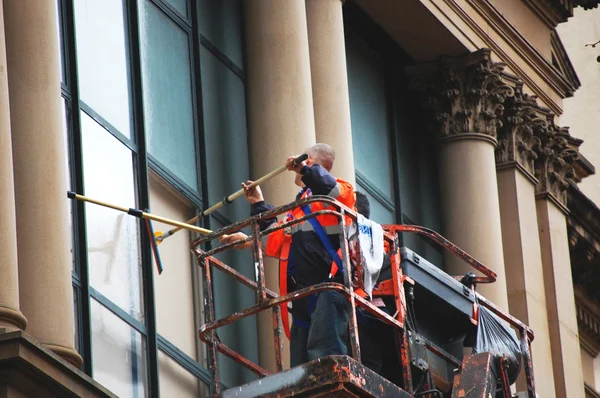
{"x":279,"y":242}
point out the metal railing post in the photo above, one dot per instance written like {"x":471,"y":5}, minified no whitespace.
{"x":352,"y":323}
{"x":209,"y":316}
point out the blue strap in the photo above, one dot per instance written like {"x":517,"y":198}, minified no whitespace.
{"x":324,"y":238}
{"x":312,"y":299}
{"x":300,"y":323}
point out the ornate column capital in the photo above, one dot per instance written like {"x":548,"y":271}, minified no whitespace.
{"x":556,"y":153}
{"x":519,"y":136}
{"x":466,"y":95}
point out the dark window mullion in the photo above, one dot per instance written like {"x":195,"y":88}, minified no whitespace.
{"x":134,"y":56}
{"x":107,"y":126}
{"x":196,"y":40}
{"x":79,"y":222}
{"x":198,"y":115}
{"x":173,"y":14}
{"x":64,"y":16}
{"x":225,"y":60}
{"x":391,"y":71}
{"x":65,"y":92}
{"x":374,"y":191}
{"x":118,"y":311}
{"x":174,"y":181}
{"x":183,"y":360}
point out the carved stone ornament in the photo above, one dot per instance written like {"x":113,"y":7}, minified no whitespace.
{"x":466,"y":94}
{"x":518,"y":138}
{"x":554,"y":165}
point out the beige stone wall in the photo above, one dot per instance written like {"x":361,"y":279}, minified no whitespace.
{"x":173,"y":289}
{"x":597,"y":372}
{"x":582,"y":111}
{"x":527,"y":22}
{"x":525,"y":282}
{"x":562,"y":321}
{"x":587,"y":362}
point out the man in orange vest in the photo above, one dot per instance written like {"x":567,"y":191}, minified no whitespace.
{"x":320,"y":322}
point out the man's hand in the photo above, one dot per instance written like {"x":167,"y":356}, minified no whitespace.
{"x":289,"y":163}
{"x":226,"y":239}
{"x":253,"y":195}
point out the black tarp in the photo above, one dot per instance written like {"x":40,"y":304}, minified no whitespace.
{"x":497,"y":338}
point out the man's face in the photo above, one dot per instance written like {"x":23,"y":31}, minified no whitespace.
{"x":298,"y":177}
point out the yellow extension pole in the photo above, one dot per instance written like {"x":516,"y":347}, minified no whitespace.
{"x":140,"y":214}
{"x":228,"y":199}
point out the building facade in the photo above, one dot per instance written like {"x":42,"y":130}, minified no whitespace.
{"x":580,"y":36}
{"x":446,"y":113}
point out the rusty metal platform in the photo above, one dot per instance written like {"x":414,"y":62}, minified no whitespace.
{"x":332,"y":376}
{"x":337,"y":376}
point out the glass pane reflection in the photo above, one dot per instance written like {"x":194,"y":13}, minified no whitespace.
{"x":225,"y":126}
{"x":65,"y":107}
{"x":379,"y":212}
{"x":60,"y":42}
{"x":119,"y":354}
{"x":368,"y":109}
{"x":167,"y":93}
{"x":113,"y":237}
{"x":180,"y":5}
{"x":221,"y":23}
{"x":102,"y":60}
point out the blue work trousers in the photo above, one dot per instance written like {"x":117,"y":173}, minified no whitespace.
{"x":327,"y":333}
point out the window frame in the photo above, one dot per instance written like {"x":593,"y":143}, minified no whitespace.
{"x":359,"y":26}
{"x":144,"y":164}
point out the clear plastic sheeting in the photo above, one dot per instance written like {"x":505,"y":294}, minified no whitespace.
{"x":495,"y":337}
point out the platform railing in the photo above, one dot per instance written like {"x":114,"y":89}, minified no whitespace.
{"x":267,"y":299}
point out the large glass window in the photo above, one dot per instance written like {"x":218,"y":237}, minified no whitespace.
{"x":102,"y":60}
{"x":370,"y":129}
{"x":119,"y":354}
{"x":138,"y":138}
{"x":220,"y":23}
{"x":179,"y":5}
{"x":113,"y":237}
{"x":395,"y":159}
{"x":168,"y":109}
{"x":227,"y":165}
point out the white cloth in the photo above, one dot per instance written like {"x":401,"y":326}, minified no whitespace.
{"x":370,"y":239}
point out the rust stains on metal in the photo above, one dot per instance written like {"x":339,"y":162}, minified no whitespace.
{"x":457,"y":251}
{"x":341,"y":376}
{"x":476,"y":380}
{"x":528,"y":365}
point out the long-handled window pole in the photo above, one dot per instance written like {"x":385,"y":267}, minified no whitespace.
{"x":228,"y":199}
{"x":157,"y":237}
{"x":148,"y":217}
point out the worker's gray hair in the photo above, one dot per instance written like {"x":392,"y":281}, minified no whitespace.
{"x":322,"y":154}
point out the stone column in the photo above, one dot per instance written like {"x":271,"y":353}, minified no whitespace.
{"x":466,"y":96}
{"x":10,"y":316}
{"x":330,"y":82}
{"x":553,"y":168}
{"x":280,"y":110}
{"x":515,"y":156}
{"x":40,"y":177}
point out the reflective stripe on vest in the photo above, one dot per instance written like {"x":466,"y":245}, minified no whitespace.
{"x":284,"y":258}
